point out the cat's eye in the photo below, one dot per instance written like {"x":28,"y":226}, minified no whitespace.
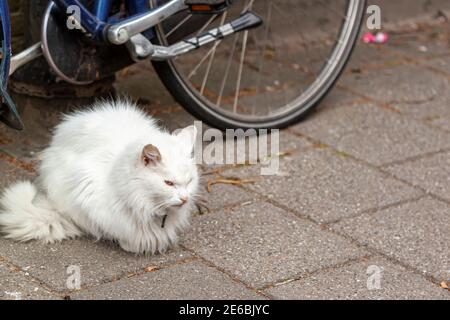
{"x":169,"y":183}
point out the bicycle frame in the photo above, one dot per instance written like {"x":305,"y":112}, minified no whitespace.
{"x":95,"y":23}
{"x":12,"y":118}
{"x":99,"y":23}
{"x":6,"y":44}
{"x":135,"y":30}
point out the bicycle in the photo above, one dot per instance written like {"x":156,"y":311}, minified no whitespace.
{"x":232,"y":64}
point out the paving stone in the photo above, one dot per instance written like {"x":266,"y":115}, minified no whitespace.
{"x":223,"y":196}
{"x":439,"y":64}
{"x":175,"y":120}
{"x":39,"y":117}
{"x":433,"y":110}
{"x":15,"y":286}
{"x":431,"y":173}
{"x":98,"y":261}
{"x":243,"y":149}
{"x":140,"y":82}
{"x":6,"y":270}
{"x":442,"y":122}
{"x":265,"y":70}
{"x":374,"y":134}
{"x":359,"y":281}
{"x":264,"y":83}
{"x":289,"y":142}
{"x":337,"y":98}
{"x":366,"y":57}
{"x":260,"y":245}
{"x":183,"y":281}
{"x":294,"y":71}
{"x":400,"y":10}
{"x":11,"y":173}
{"x":398,"y":84}
{"x":421,"y":45}
{"x":415,"y":233}
{"x":327,"y":186}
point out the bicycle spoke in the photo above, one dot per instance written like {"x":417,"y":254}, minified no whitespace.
{"x":286,"y":18}
{"x":206,"y":25}
{"x":202,"y":60}
{"x":208,"y":68}
{"x":261,"y":60}
{"x":242,"y":58}
{"x":241,"y":66}
{"x":248,"y":6}
{"x":335,"y":11}
{"x":178,"y":25}
{"x":194,"y":71}
{"x":227,"y":70}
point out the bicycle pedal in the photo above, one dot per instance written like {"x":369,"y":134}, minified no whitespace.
{"x":208,"y":6}
{"x":245,"y":21}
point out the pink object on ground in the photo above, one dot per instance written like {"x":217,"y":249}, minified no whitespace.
{"x":378,"y":38}
{"x":368,"y":37}
{"x":381,"y":37}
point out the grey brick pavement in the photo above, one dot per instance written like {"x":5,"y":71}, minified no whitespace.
{"x":415,"y":233}
{"x":350,"y":282}
{"x":261,"y":244}
{"x":182,"y":281}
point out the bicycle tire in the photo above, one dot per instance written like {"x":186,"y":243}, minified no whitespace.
{"x":190,"y":101}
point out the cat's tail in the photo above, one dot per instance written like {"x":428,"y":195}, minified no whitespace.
{"x":26,"y":214}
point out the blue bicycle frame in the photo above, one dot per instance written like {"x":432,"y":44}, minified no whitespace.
{"x":13,"y":118}
{"x":6,"y":44}
{"x":96,"y":21}
{"x":135,"y":29}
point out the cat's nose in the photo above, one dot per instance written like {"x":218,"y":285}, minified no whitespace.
{"x":183,"y":200}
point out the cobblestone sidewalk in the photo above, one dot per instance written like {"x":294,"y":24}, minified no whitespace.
{"x":365,"y":197}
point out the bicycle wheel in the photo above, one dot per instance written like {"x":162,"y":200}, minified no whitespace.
{"x":268,"y":77}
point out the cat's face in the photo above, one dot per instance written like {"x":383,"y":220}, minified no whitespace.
{"x":169,"y":172}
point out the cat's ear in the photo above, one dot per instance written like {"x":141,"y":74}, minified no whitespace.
{"x":150,"y":155}
{"x":188,"y":136}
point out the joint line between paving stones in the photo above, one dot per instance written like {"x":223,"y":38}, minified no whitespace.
{"x":227,"y":207}
{"x":355,"y":100}
{"x":124,"y":275}
{"x":393,"y":260}
{"x":229,"y":275}
{"x":307,"y":275}
{"x":302,"y":216}
{"x":387,"y":106}
{"x":435,"y":70}
{"x":31,"y":279}
{"x":378,"y":168}
{"x":130,"y":275}
{"x":414,"y":158}
{"x":373,"y":211}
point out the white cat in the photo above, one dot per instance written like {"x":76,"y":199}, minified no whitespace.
{"x":111,"y":172}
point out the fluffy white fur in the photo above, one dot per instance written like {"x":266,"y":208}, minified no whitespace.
{"x":97,"y":178}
